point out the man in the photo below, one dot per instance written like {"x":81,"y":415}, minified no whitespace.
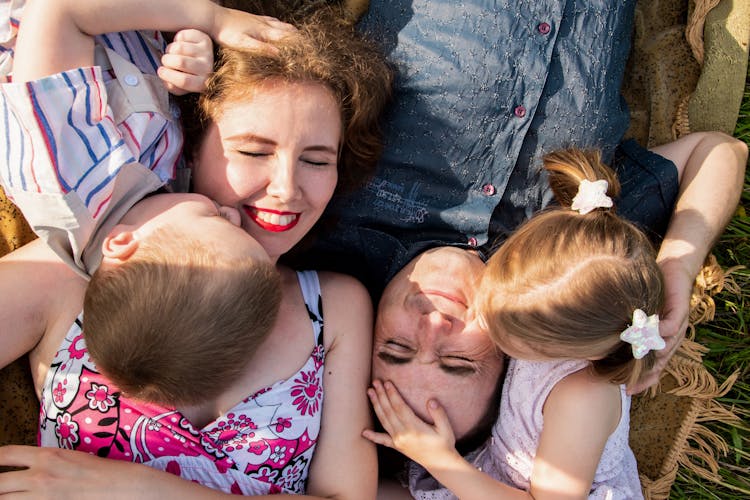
{"x":483,"y":92}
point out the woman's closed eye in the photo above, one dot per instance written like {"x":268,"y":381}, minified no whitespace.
{"x":316,"y":163}
{"x":253,"y":154}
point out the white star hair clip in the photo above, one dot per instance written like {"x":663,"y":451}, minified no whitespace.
{"x":643,"y":334}
{"x":591,"y":195}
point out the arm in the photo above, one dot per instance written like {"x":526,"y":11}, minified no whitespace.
{"x":712,"y":168}
{"x":67,"y":474}
{"x":579,"y":415}
{"x":26,"y":310}
{"x":68,"y":27}
{"x":345,"y":464}
{"x":431,"y":445}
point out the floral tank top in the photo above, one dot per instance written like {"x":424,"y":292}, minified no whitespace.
{"x":263,"y":445}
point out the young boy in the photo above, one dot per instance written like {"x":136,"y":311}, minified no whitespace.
{"x":204,"y":300}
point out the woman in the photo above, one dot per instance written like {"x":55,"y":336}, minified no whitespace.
{"x":319,"y":95}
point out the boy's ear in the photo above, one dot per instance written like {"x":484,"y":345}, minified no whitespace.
{"x":120,"y":244}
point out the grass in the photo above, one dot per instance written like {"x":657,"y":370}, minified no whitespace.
{"x":729,"y":343}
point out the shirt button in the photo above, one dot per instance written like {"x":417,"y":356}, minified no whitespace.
{"x":472,"y":241}
{"x":520,"y":111}
{"x":488,"y":189}
{"x":131,"y":79}
{"x":543,"y":28}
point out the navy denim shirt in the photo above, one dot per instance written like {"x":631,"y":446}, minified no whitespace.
{"x":484,"y":89}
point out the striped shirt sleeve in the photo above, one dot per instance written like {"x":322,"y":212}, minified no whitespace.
{"x":69,"y":136}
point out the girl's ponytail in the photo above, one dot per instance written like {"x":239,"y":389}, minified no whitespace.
{"x":568,"y":281}
{"x":567,"y":168}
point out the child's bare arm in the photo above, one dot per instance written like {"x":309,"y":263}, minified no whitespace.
{"x":36,"y":288}
{"x":57,"y":35}
{"x":580,"y":414}
{"x":431,"y":446}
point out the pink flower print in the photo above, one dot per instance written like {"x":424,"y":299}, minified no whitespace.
{"x":223,"y":464}
{"x":318,"y":355}
{"x":235,"y":432}
{"x":264,"y":473}
{"x":59,"y":392}
{"x":99,"y":398}
{"x":293,"y":474}
{"x":66,"y":431}
{"x":275,"y":489}
{"x":307,"y":393}
{"x":258,"y":393}
{"x":283,"y":423}
{"x":75,"y":351}
{"x":257,"y":447}
{"x":174,"y":468}
{"x":279,"y":452}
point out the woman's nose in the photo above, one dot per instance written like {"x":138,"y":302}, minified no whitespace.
{"x":283,"y":179}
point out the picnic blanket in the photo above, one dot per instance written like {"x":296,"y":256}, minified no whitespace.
{"x":686,"y":73}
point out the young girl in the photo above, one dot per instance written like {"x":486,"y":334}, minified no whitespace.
{"x":573,"y":297}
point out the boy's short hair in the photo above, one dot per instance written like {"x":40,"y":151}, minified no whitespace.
{"x":179,"y":320}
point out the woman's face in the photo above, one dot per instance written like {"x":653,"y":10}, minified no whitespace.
{"x":274,"y":158}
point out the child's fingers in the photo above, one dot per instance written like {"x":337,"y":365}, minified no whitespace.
{"x":179,"y":83}
{"x":397,"y":403}
{"x":192,"y":36}
{"x":190,"y":65}
{"x":382,"y":408}
{"x":380,"y":438}
{"x":440,"y":418}
{"x":186,"y":49}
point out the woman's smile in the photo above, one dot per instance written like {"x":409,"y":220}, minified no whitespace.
{"x":272,"y":220}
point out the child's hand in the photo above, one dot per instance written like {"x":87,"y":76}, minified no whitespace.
{"x":187,"y":62}
{"x":241,"y":30}
{"x":407,"y":433}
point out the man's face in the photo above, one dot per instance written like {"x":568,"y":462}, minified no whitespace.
{"x":428,"y":343}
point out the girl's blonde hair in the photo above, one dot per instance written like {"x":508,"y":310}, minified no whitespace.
{"x":566,"y":283}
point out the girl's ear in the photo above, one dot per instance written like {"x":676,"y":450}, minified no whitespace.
{"x":120,"y":244}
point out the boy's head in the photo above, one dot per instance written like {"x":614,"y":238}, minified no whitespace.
{"x":180,"y":302}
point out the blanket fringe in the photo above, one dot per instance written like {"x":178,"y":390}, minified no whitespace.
{"x":694,"y":27}
{"x":696,"y":448}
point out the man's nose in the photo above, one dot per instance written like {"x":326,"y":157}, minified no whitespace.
{"x":436,"y":322}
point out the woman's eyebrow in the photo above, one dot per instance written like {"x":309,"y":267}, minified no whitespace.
{"x":249,"y":137}
{"x":323,"y":148}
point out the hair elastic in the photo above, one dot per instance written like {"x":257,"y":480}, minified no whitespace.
{"x":643,"y":334}
{"x":591,"y":195}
